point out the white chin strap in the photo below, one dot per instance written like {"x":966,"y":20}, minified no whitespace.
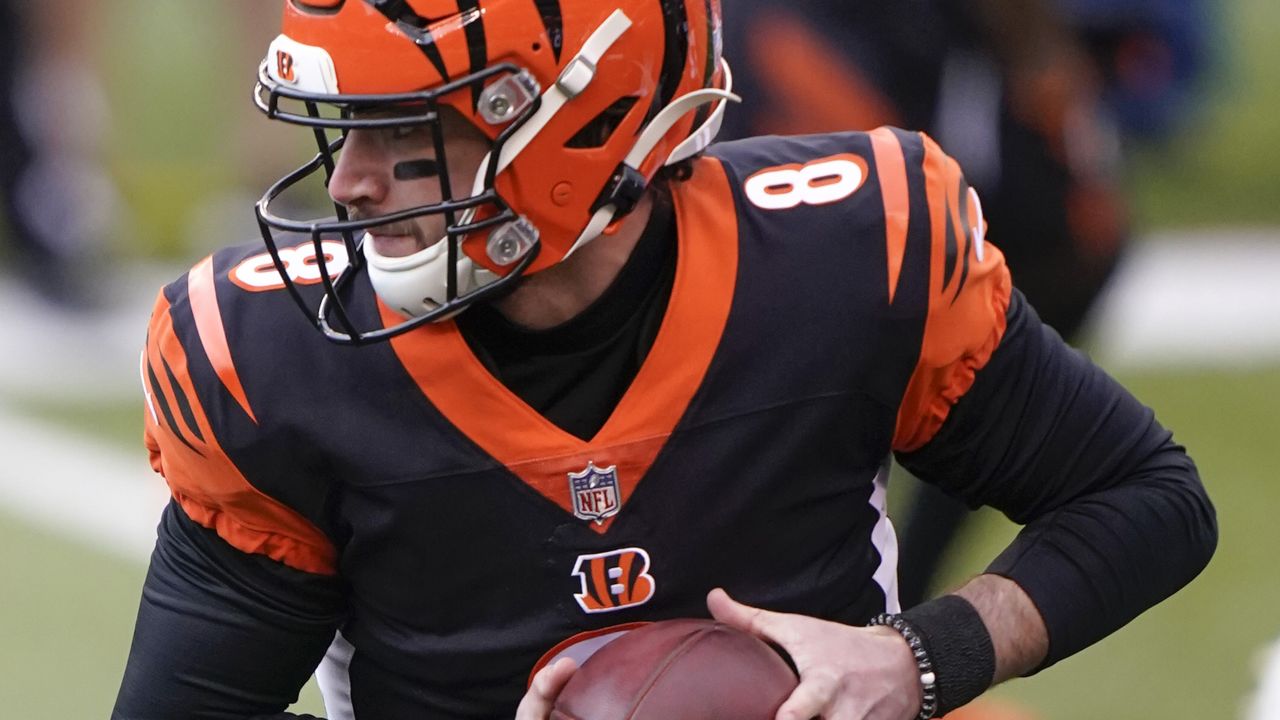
{"x":697,"y":141}
{"x":417,"y":283}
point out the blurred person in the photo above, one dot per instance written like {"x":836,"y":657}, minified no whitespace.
{"x":566,"y":366}
{"x":59,"y":203}
{"x":1033,"y":97}
{"x":1264,"y":703}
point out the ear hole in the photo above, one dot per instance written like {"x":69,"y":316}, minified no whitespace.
{"x":597,"y":132}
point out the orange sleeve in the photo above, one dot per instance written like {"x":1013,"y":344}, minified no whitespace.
{"x":202,"y":478}
{"x":969,"y":288}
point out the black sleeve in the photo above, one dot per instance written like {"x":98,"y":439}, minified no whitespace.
{"x":1116,"y":516}
{"x":222,"y":634}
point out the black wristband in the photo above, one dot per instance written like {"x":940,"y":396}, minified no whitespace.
{"x":958,"y":646}
{"x":928,"y":681}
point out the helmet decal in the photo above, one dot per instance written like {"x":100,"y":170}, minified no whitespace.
{"x":416,"y":28}
{"x":477,"y":51}
{"x":713,"y":60}
{"x":675,"y":53}
{"x":553,"y":23}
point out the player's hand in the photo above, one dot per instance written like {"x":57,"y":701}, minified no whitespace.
{"x":846,"y":672}
{"x":547,"y":684}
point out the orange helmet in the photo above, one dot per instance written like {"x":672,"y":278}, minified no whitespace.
{"x":584,"y":101}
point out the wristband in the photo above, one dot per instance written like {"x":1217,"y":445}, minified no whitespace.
{"x":952,"y":648}
{"x":928,"y":679}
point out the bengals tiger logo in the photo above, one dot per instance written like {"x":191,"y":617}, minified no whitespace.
{"x":284,"y":66}
{"x":613,"y":580}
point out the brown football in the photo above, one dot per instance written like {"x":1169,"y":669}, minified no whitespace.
{"x":678,"y":670}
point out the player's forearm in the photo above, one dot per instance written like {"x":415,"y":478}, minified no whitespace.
{"x":1018,"y":633}
{"x":964,"y":642}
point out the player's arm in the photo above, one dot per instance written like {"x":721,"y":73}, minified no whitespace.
{"x":999,"y":411}
{"x":241,"y":598}
{"x":222,"y":634}
{"x":1116,"y":518}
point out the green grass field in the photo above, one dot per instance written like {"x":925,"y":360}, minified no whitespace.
{"x":69,"y":610}
{"x":177,"y":137}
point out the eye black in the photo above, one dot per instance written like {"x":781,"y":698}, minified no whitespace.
{"x":416,"y":169}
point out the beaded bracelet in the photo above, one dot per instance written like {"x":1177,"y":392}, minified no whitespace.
{"x":928,"y":679}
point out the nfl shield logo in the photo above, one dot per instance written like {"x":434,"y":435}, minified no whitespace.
{"x":595,"y":492}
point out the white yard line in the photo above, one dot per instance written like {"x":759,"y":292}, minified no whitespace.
{"x":1208,"y":299}
{"x":83,"y":355}
{"x":96,"y":494}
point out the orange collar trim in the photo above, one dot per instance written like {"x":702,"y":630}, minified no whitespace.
{"x":535,"y":449}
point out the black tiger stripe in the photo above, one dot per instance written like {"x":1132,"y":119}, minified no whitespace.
{"x":184,"y":406}
{"x":157,"y":398}
{"x":477,"y":45}
{"x":553,"y":23}
{"x":414,"y":26}
{"x":675,"y":53}
{"x":949,"y":268}
{"x":963,"y":196}
{"x":709,"y":70}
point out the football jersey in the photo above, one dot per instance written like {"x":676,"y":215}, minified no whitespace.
{"x":833,"y":298}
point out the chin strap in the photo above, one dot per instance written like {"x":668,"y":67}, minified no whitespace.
{"x":700,"y":138}
{"x":697,"y":141}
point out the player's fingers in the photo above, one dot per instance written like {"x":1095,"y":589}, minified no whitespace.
{"x":756,"y":621}
{"x":546,"y":685}
{"x":808,"y":700}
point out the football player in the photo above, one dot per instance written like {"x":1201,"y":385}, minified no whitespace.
{"x":567,"y":367}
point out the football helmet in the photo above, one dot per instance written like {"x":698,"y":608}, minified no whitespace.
{"x":583,"y":101}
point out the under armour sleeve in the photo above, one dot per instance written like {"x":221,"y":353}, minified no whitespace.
{"x":1116,"y":517}
{"x":221,"y":634}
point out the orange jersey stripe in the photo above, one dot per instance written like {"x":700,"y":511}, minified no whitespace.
{"x":209,"y":486}
{"x":966,"y":315}
{"x":541,"y":454}
{"x":891,"y":168}
{"x":213,"y":336}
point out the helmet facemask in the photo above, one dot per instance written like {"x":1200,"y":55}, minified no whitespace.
{"x":477,"y":210}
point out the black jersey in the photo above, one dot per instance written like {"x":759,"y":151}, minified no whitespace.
{"x":833,"y":301}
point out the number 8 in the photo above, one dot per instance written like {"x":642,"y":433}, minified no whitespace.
{"x":817,"y":182}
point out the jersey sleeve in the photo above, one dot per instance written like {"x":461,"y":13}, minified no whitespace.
{"x":221,"y":634}
{"x":241,"y":598}
{"x":999,"y":411}
{"x":968,"y":284}
{"x":225,"y":464}
{"x":1116,"y":517}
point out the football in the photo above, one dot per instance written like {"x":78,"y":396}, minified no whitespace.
{"x":678,"y":670}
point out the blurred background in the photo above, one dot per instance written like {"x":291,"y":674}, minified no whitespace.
{"x":129,"y":149}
